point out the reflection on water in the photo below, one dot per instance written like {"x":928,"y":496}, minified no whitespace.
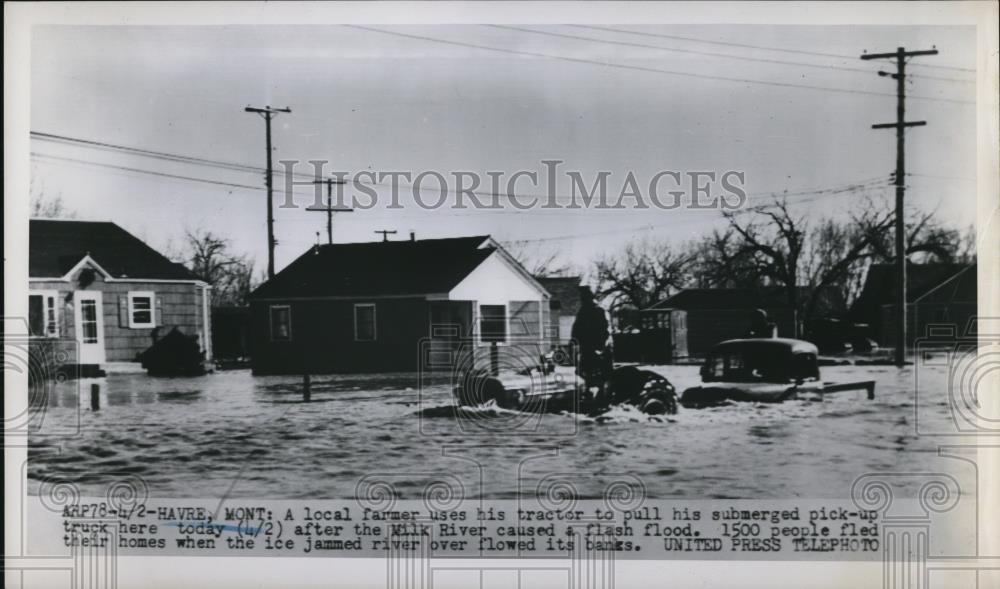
{"x":192,"y":437}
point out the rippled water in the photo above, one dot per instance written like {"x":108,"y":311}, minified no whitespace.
{"x":245,"y":436}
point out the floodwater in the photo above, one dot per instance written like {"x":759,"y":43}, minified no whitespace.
{"x":233,"y":434}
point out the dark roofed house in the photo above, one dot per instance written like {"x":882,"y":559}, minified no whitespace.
{"x":394,"y":306}
{"x":711,"y":315}
{"x":564,"y":304}
{"x":98,"y":284}
{"x":940,"y":295}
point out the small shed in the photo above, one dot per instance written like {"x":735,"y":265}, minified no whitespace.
{"x":656,"y":336}
{"x":712,"y":315}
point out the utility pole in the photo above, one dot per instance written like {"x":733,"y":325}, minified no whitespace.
{"x":900,"y":126}
{"x":268,"y":113}
{"x":329,"y":209}
{"x":386,"y":234}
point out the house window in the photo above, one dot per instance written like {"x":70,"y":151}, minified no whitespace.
{"x":88,"y":321}
{"x":140,"y":309}
{"x":364,"y":322}
{"x":493,"y":323}
{"x":42,"y":319}
{"x":281,"y":323}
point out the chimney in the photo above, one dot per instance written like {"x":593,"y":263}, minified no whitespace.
{"x":413,"y":235}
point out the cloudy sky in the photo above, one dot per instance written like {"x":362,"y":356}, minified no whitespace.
{"x":790,"y":106}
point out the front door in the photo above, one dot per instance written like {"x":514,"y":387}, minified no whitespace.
{"x":90,"y":327}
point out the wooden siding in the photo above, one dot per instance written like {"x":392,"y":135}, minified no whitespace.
{"x":323,"y":339}
{"x":176,"y":305}
{"x":528,"y":327}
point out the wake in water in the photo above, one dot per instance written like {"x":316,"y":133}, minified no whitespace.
{"x":488,"y":409}
{"x":614,"y":415}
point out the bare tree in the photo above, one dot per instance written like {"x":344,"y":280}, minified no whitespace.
{"x":965,"y":246}
{"x":50,"y":208}
{"x":230,"y":275}
{"x":839,"y":255}
{"x":787,"y":253}
{"x":642,"y":273}
{"x":818,"y":265}
{"x":929,"y":241}
{"x":44,"y":205}
{"x":719,"y":261}
{"x":538,"y":259}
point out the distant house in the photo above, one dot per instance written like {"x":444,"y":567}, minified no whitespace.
{"x":96,"y":283}
{"x":564,"y":304}
{"x":711,"y":315}
{"x":937,"y":294}
{"x":392,"y":306}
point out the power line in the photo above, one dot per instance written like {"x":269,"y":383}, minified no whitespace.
{"x":173,"y":157}
{"x":45,"y":156}
{"x":177,"y":158}
{"x":868,"y":183}
{"x":652,"y":226}
{"x":943,"y":177}
{"x":761,"y":47}
{"x":143,"y":171}
{"x":863,"y":184}
{"x":810,"y":196}
{"x":161,"y":155}
{"x":642,"y":68}
{"x":146,"y":152}
{"x":859,"y":189}
{"x":860,"y":184}
{"x":680,"y":50}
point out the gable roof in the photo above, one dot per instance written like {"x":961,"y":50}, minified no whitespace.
{"x":56,"y":246}
{"x":719,"y":298}
{"x":960,"y":287}
{"x":565,"y":290}
{"x":880,"y":286}
{"x":381,"y":268}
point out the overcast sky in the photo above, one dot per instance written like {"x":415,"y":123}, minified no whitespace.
{"x":436,"y":98}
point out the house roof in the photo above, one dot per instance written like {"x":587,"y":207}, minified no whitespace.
{"x":565,"y":291}
{"x":56,"y":246}
{"x":719,"y":298}
{"x":880,"y":286}
{"x":960,"y":286}
{"x":383,"y":268}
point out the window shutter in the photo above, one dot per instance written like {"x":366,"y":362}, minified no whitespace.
{"x":123,"y":311}
{"x":158,"y":317}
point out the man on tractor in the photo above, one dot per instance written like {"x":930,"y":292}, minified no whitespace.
{"x":590,"y":335}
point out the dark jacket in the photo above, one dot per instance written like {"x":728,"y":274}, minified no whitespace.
{"x":590,"y":329}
